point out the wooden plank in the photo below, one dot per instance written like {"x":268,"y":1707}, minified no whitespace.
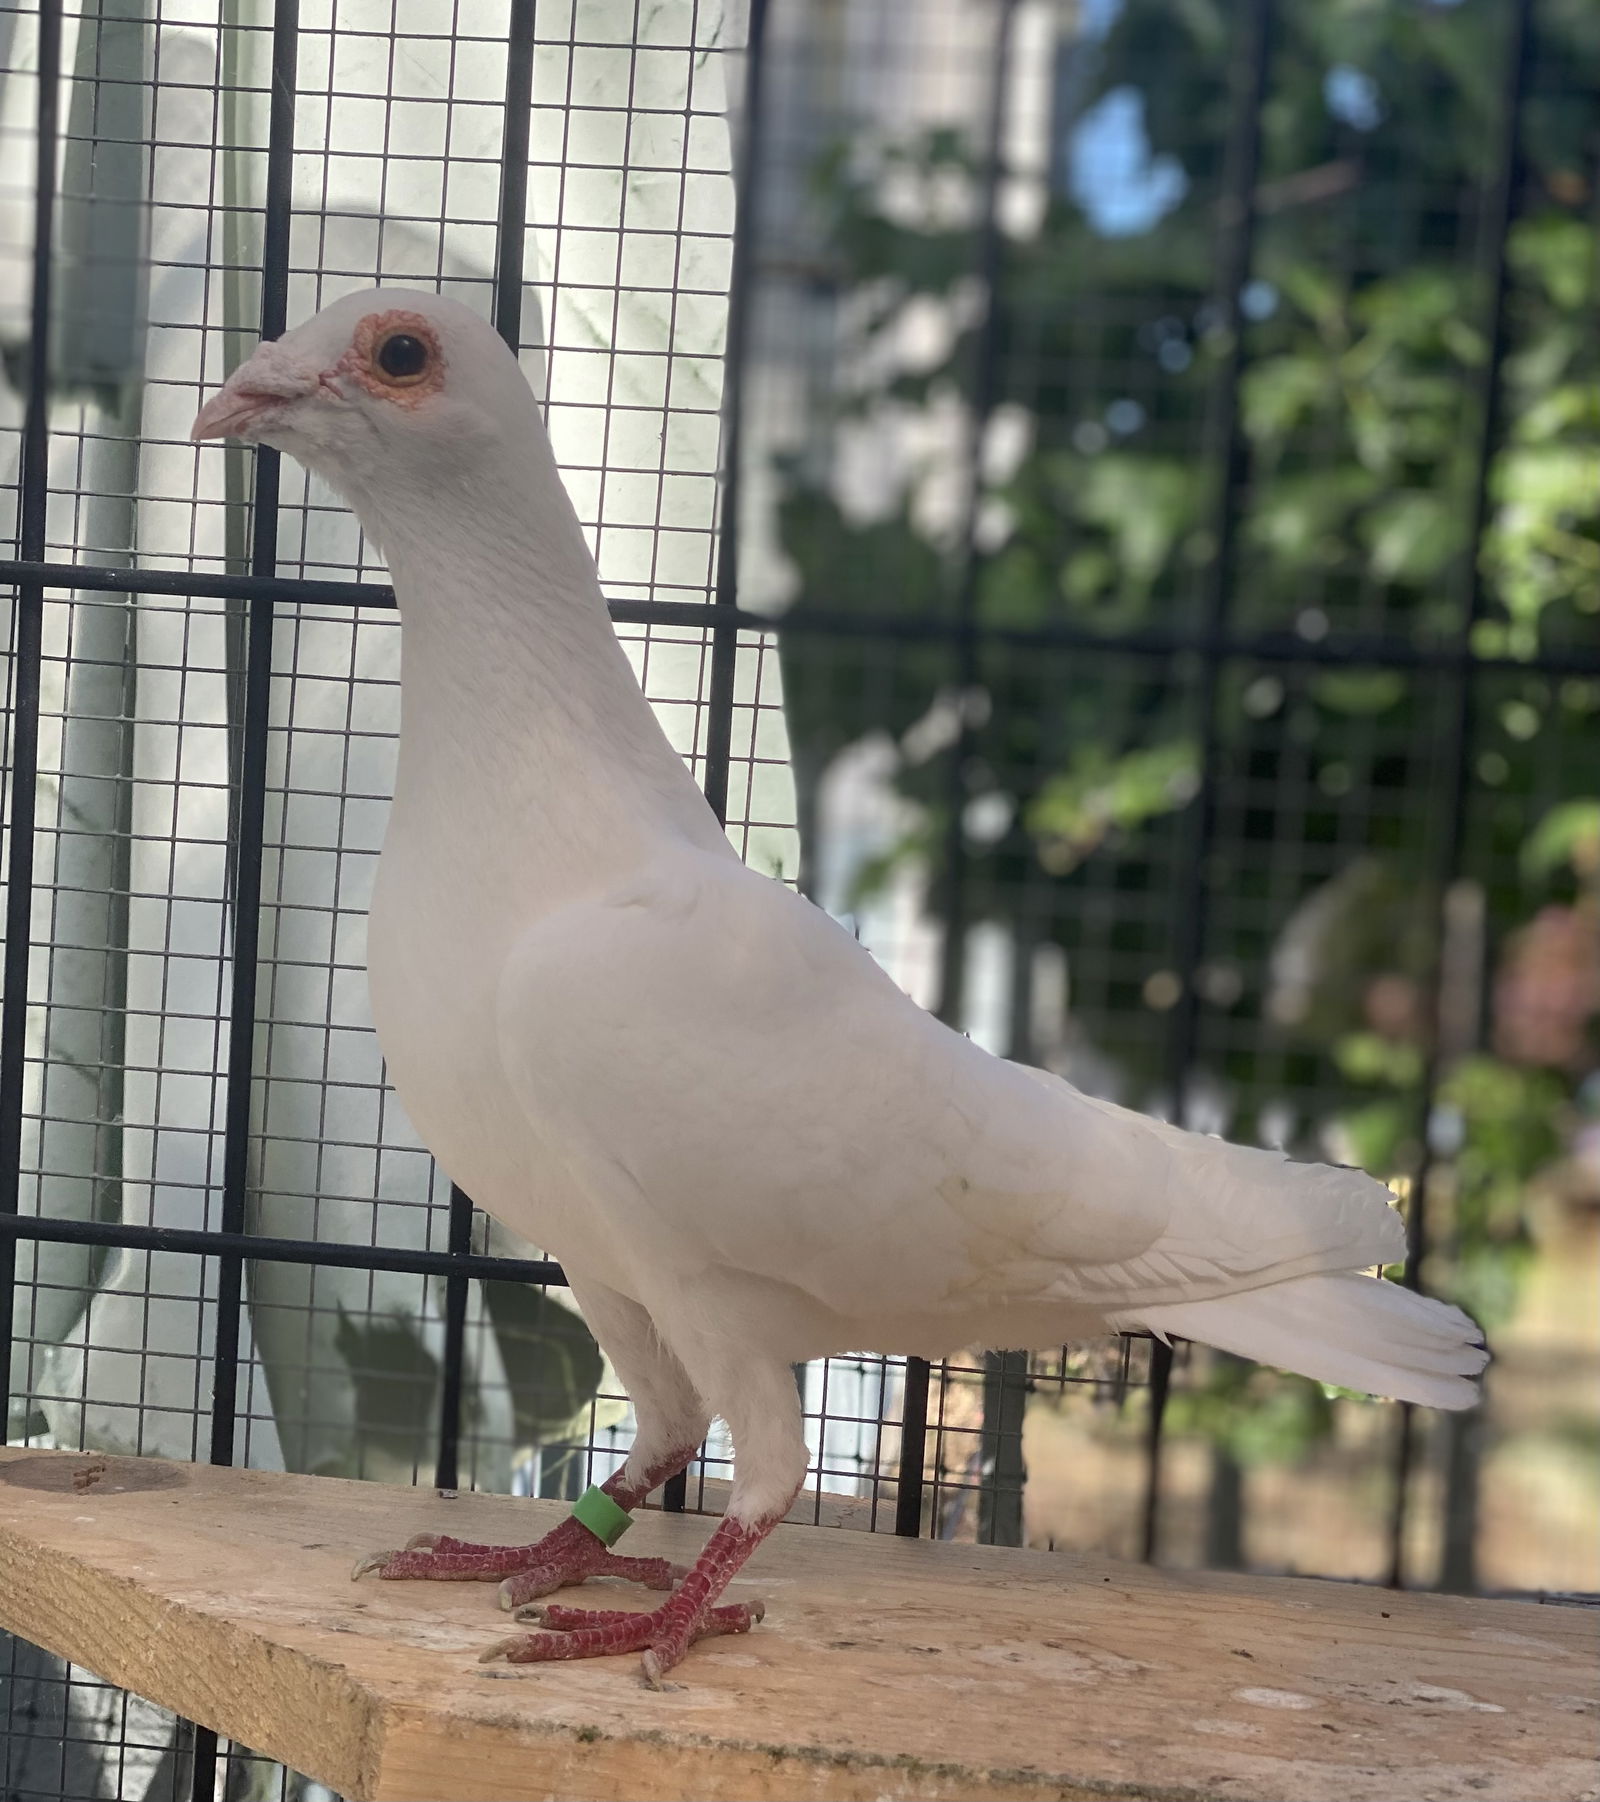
{"x":886,"y":1668}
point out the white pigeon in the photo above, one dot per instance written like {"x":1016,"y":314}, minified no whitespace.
{"x":747,"y":1147}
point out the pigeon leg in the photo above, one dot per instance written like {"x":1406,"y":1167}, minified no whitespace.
{"x":770,"y":1466}
{"x":672,"y":1424}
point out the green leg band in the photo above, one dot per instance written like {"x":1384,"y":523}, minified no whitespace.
{"x":595,"y":1510}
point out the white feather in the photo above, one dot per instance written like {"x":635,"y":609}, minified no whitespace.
{"x":1349,"y":1329}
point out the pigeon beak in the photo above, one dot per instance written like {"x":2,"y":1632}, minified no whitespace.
{"x":230,"y":412}
{"x":257,"y":391}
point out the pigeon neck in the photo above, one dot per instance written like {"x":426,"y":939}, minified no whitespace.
{"x":516,"y":697}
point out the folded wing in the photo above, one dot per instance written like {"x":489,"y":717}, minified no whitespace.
{"x":740,"y":1080}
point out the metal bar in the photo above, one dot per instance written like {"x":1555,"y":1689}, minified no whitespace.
{"x":953,"y":896}
{"x":1003,"y":1470}
{"x":511,"y":224}
{"x":913,"y":1431}
{"x":245,"y":913}
{"x":34,"y":486}
{"x":510,"y":240}
{"x":1150,"y":1509}
{"x":1003,"y":1465}
{"x":246,"y":909}
{"x":1229,"y":452}
{"x":185,"y":584}
{"x":452,"y":1372}
{"x":963,"y":627}
{"x":205,"y":1242}
{"x":1456,"y":741}
{"x":726,"y":621}
{"x":1342,"y":650}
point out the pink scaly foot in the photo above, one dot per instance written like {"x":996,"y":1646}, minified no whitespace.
{"x":568,"y":1554}
{"x":663,"y":1634}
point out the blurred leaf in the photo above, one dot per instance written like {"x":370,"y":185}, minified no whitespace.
{"x":1558,"y":250}
{"x":1367,"y":1057}
{"x":1567,"y":837}
{"x":1413,"y":536}
{"x":1260,"y":1416}
{"x":1295,"y":514}
{"x":1141,"y":503}
{"x":1098,"y":794}
{"x":1359,"y":692}
{"x":1278,"y":394}
{"x":1377,"y":1134}
{"x":1508,"y":1124}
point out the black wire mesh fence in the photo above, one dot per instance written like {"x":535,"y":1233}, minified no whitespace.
{"x":1105,"y":499}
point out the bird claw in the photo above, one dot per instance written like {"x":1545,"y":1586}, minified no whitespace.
{"x":662,"y":1635}
{"x":373,"y":1561}
{"x":512,"y":1591}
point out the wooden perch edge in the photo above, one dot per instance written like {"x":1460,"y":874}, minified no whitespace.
{"x":886,"y":1668}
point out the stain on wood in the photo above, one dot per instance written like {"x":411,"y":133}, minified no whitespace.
{"x":64,"y":1473}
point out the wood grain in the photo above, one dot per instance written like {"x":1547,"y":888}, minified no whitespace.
{"x":886,"y":1668}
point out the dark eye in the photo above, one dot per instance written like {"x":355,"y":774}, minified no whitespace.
{"x":402,"y":356}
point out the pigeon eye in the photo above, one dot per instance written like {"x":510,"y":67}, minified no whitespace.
{"x":402,"y":357}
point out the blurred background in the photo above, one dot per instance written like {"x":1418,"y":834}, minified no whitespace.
{"x":1105,"y":493}
{"x":1204,"y":400}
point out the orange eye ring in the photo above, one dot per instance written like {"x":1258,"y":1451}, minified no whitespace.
{"x":397,"y":356}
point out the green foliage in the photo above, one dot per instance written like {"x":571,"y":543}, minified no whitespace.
{"x":1568,"y":837}
{"x":1365,"y":351}
{"x":1509,"y":1131}
{"x":1369,"y":691}
{"x":1258,"y":1416}
{"x":1369,"y":1057}
{"x":1097,"y":794}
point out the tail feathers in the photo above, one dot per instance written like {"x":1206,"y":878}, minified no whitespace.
{"x":1353,"y":1330}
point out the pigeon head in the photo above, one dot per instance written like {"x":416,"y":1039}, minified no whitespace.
{"x":381,"y":386}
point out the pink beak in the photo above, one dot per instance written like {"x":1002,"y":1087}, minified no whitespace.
{"x":262,"y":385}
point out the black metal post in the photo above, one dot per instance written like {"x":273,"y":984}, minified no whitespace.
{"x":452,"y":1372}
{"x":967,"y":672}
{"x":724,"y":610}
{"x":27,"y":654}
{"x":1156,"y":643}
{"x":510,"y":246}
{"x":245,"y":913}
{"x":331,"y":1253}
{"x":1455,"y":747}
{"x":246,"y":909}
{"x":1228,"y":455}
{"x":725,"y":602}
